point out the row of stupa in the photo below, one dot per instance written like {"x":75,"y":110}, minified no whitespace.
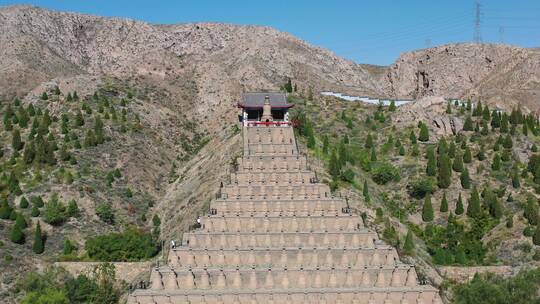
{"x":277,"y":235}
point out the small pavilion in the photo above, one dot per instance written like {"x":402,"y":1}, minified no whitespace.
{"x":265,"y":108}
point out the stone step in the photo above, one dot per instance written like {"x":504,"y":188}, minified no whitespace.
{"x":299,"y":206}
{"x":328,"y":222}
{"x":423,"y":294}
{"x":166,"y":278}
{"x":283,"y":257}
{"x":272,"y":178}
{"x":272,"y":163}
{"x":263,"y":192}
{"x":200,"y":239}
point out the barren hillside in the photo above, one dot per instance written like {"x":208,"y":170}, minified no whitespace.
{"x":502,"y":75}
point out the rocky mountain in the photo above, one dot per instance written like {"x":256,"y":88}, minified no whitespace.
{"x":502,"y":75}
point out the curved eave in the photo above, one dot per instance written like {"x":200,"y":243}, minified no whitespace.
{"x":287,"y":106}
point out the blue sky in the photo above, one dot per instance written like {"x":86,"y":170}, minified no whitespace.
{"x":373,"y":32}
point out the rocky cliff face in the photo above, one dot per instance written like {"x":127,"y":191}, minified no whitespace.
{"x":225,"y":58}
{"x":502,"y":75}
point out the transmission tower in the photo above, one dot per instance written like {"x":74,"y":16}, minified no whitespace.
{"x":477,"y":22}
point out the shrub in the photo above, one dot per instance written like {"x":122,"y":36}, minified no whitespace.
{"x":105,"y":212}
{"x":55,"y":212}
{"x":384,"y":173}
{"x":131,"y":245}
{"x":422,"y":187}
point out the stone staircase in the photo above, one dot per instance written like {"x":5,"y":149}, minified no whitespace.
{"x":276,"y":235}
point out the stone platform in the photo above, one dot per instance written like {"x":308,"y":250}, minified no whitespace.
{"x":277,"y":235}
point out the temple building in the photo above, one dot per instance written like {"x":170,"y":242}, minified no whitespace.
{"x":265,"y":108}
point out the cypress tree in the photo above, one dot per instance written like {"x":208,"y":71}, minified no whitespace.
{"x":468,"y":124}
{"x":507,"y":143}
{"x":457,"y":165}
{"x":465,"y":179}
{"x":444,"y":177}
{"x":408,"y":247}
{"x":525,"y":130}
{"x":73,"y":209}
{"x":459,"y":205}
{"x":16,"y":141}
{"x":68,"y":247}
{"x":334,"y":165}
{"x":79,"y":120}
{"x":452,"y":150}
{"x":365,"y":192}
{"x":401,"y":150}
{"x":481,"y":154}
{"x":467,"y":156}
{"x":485,"y":128}
{"x":495,"y":120}
{"x":412,"y":137}
{"x":29,"y":153}
{"x":496,"y":165}
{"x":369,"y":142}
{"x":392,"y":107}
{"x":44,"y":96}
{"x":504,"y":123}
{"x":5,"y":209}
{"x":444,"y":203}
{"x":431,"y":168}
{"x":373,"y":157}
{"x":536,"y":236}
{"x":424,"y":133}
{"x":89,"y":139}
{"x":473,"y":209}
{"x":427,"y":209}
{"x":20,"y":221}
{"x":515,"y":180}
{"x":38,"y":246}
{"x":449,"y":108}
{"x":485,"y":114}
{"x":325,"y":144}
{"x":23,"y":203}
{"x":16,"y":235}
{"x":530,"y":211}
{"x":35,"y":211}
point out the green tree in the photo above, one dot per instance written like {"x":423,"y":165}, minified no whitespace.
{"x":444,"y":178}
{"x":496,"y":165}
{"x":392,"y":107}
{"x":459,"y":205}
{"x":412,"y":137}
{"x":465,"y":179}
{"x":373,"y":156}
{"x":16,"y":141}
{"x":457,"y":165}
{"x":467,"y":156}
{"x":369,"y":142}
{"x":16,"y":235}
{"x":507,"y":143}
{"x":536,"y":236}
{"x":444,"y":203}
{"x":424,"y":133}
{"x":68,"y":247}
{"x":44,"y":96}
{"x":79,"y":120}
{"x":530,"y":211}
{"x":333,"y":165}
{"x":105,"y":212}
{"x":431,"y":168}
{"x":365,"y":191}
{"x":427,"y":209}
{"x":468,"y":124}
{"x":408,"y":247}
{"x":515,"y":179}
{"x":473,"y":209}
{"x":55,"y":212}
{"x":23,"y":203}
{"x":73,"y":209}
{"x":38,"y":246}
